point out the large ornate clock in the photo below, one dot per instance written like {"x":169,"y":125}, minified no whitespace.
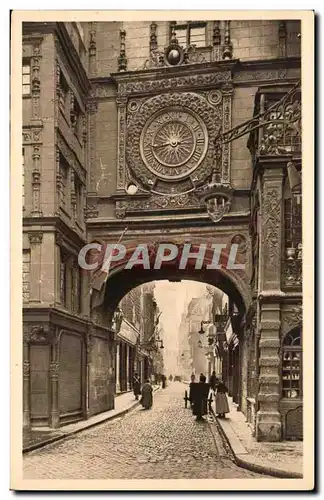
{"x":173,"y":143}
{"x":169,"y":141}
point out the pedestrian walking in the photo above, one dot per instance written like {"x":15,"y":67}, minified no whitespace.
{"x":213,"y":381}
{"x":147,"y":395}
{"x":136,"y":385}
{"x":221,"y":400}
{"x":199,"y":395}
{"x":170,"y":378}
{"x":163,"y":378}
{"x":192,"y":378}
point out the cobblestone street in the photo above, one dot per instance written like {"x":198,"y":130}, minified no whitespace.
{"x":161,"y":443}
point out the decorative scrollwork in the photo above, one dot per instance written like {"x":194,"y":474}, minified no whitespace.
{"x":287,"y":112}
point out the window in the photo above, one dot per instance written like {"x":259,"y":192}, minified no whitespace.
{"x":26,"y":275}
{"x":293,"y":221}
{"x":26,"y":81}
{"x":64,"y":92}
{"x":292,"y":365}
{"x":190,"y":33}
{"x":76,"y":117}
{"x":23,"y":177}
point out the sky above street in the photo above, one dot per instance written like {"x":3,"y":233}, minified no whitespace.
{"x":172,"y":300}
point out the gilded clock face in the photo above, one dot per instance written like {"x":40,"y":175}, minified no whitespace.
{"x":173,"y":143}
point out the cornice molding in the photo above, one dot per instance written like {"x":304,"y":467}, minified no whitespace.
{"x":54,"y":224}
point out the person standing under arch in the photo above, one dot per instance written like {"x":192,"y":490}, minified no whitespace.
{"x":199,"y":394}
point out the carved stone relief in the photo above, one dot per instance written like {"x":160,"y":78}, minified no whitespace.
{"x":271,"y":210}
{"x":31,"y":136}
{"x":291,"y":318}
{"x":188,"y":201}
{"x":184,"y":82}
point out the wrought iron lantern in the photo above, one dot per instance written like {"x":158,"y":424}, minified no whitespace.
{"x":217,"y":196}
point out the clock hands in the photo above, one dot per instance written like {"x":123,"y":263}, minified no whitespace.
{"x":161,"y":145}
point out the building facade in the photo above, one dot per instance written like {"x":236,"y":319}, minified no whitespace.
{"x":121,"y":127}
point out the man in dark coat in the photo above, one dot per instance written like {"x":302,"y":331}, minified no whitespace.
{"x":136,"y":385}
{"x":199,"y":395}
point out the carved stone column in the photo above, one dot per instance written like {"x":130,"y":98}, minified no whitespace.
{"x":282,"y":35}
{"x":153,"y":36}
{"x":73,"y":198}
{"x":54,"y":374}
{"x":69,"y":284}
{"x":121,"y":105}
{"x":216,"y":41}
{"x":59,"y":181}
{"x":227,"y":91}
{"x":227,"y":47}
{"x":268,"y":424}
{"x":35,"y":239}
{"x":126,"y":367}
{"x":122,"y":59}
{"x":92,"y":108}
{"x":89,"y":344}
{"x":26,"y":379}
{"x":93,"y":50}
{"x":117,"y":369}
{"x":271,"y":231}
{"x":36,"y":174}
{"x":35,"y":84}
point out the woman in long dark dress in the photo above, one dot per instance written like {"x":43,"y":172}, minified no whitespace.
{"x":221,"y":400}
{"x":147,"y":395}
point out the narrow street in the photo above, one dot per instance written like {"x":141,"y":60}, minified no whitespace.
{"x":161,"y":443}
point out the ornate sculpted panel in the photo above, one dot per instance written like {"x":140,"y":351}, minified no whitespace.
{"x":274,"y":74}
{"x":271,"y":210}
{"x":188,"y":201}
{"x":184,"y":82}
{"x":31,"y":136}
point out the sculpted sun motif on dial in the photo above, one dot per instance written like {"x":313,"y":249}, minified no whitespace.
{"x":173,"y":143}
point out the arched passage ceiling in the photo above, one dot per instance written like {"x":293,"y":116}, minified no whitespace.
{"x":123,"y":280}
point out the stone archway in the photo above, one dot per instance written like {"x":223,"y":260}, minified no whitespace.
{"x":121,"y":280}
